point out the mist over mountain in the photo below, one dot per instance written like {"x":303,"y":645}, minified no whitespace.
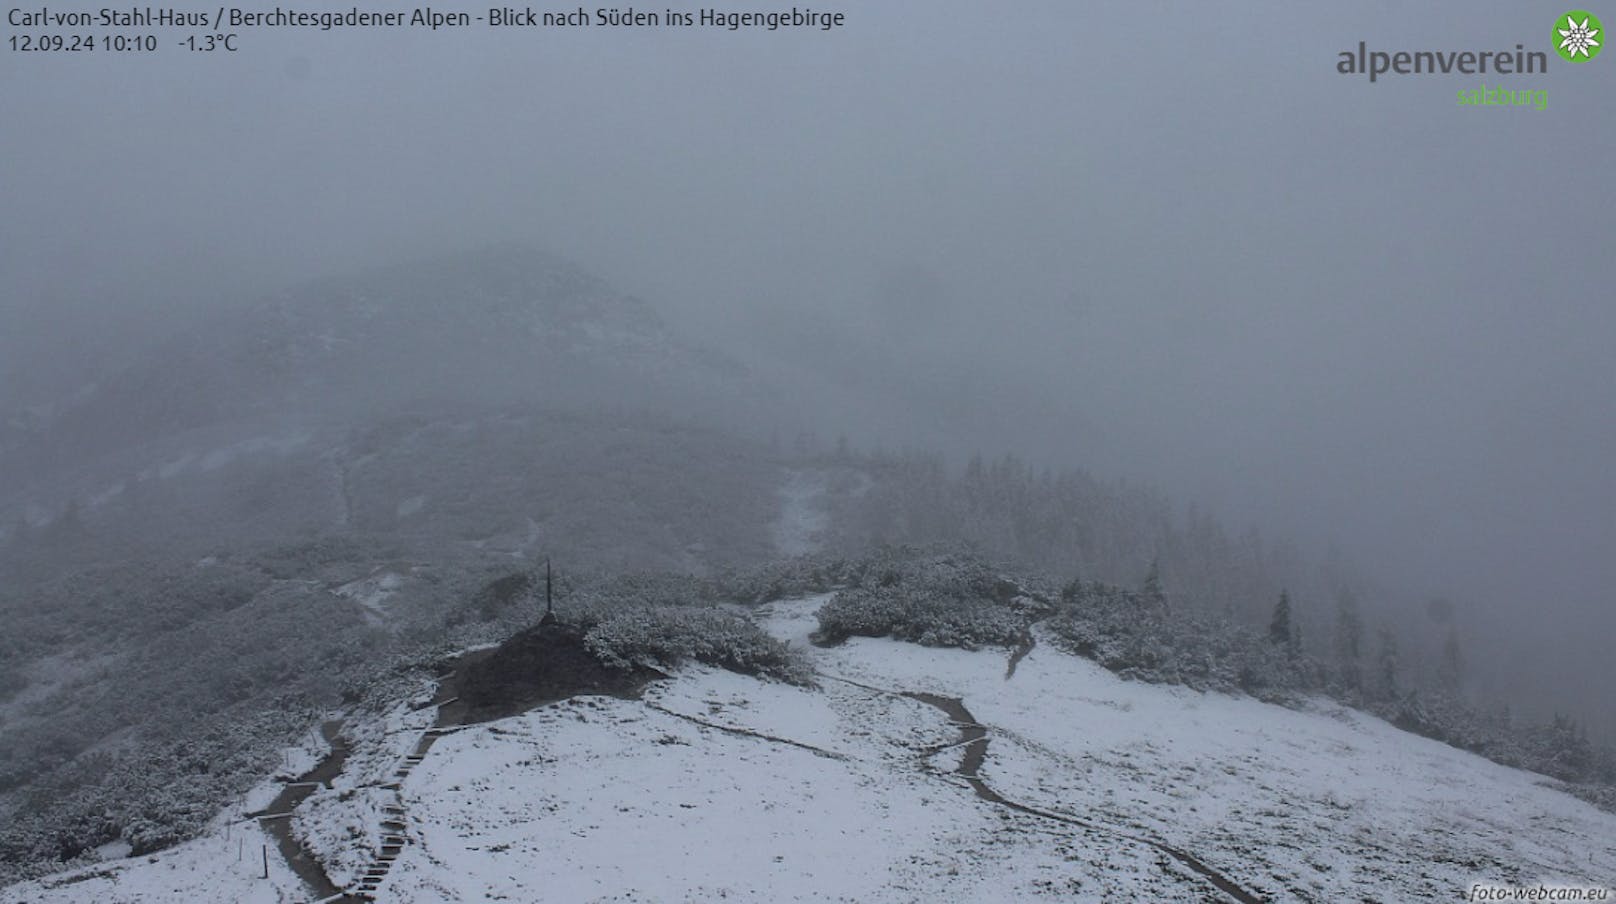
{"x":499,"y":325}
{"x":1061,"y":452}
{"x":504,"y":397}
{"x":320,"y":491}
{"x":361,"y":402}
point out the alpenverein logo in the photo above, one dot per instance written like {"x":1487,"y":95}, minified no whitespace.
{"x":1578,"y":36}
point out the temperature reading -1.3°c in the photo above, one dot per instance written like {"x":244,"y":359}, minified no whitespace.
{"x":211,"y":42}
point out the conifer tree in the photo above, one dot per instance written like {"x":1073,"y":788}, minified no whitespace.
{"x":1450,"y":672}
{"x":1153,"y":585}
{"x":1349,"y":640}
{"x":1386,"y":666}
{"x":1279,"y":628}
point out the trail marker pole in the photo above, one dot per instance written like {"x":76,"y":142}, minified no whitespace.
{"x":265,"y":849}
{"x":549,"y":601}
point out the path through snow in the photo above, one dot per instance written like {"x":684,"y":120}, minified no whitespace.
{"x":974,"y":737}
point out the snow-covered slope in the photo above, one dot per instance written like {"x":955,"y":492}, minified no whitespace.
{"x":292,"y":392}
{"x":716,"y":786}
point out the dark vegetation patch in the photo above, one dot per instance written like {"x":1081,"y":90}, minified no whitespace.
{"x":662,"y":620}
{"x":502,"y":593}
{"x":611,"y":636}
{"x":540,"y":665}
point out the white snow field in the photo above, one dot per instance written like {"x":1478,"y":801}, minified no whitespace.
{"x":721,"y":787}
{"x":205,"y":869}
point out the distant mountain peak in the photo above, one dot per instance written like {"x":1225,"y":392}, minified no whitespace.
{"x":498,"y":324}
{"x":501,"y":288}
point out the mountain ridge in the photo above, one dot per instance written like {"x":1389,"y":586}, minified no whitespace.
{"x":499,"y":324}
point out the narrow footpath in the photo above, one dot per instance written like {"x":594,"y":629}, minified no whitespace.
{"x":276,"y":819}
{"x":974,"y":737}
{"x":454,"y":713}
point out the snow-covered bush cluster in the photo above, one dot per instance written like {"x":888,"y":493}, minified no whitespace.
{"x":151,"y":793}
{"x":940,"y":600}
{"x":956,"y":600}
{"x":914,"y":614}
{"x":784,"y":579}
{"x":663,"y":619}
{"x":1136,"y":635}
{"x":179,"y":681}
{"x":665,"y":636}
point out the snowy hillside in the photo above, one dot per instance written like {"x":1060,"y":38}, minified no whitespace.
{"x":497,"y":326}
{"x":1078,"y":786}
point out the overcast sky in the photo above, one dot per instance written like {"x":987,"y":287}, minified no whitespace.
{"x":1165,"y":241}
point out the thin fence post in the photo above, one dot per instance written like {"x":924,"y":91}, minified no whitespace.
{"x":265,"y":849}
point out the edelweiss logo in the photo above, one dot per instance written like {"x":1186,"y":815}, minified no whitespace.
{"x":1579,"y":36}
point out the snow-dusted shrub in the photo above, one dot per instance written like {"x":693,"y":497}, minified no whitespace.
{"x":936,"y":600}
{"x":665,"y":636}
{"x":784,"y":579}
{"x":1601,"y":796}
{"x":1137,"y":637}
{"x":146,"y":835}
{"x":604,"y":599}
{"x":861,"y":612}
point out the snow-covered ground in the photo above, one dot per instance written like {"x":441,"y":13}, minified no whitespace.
{"x":218,"y":867}
{"x":716,"y":786}
{"x":372,"y":594}
{"x":1323,"y":805}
